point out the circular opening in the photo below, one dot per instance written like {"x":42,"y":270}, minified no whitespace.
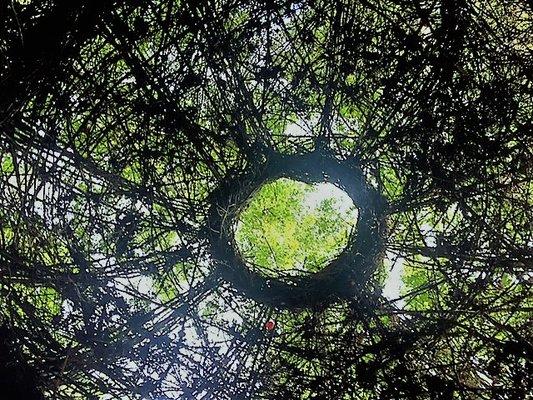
{"x":293,"y":228}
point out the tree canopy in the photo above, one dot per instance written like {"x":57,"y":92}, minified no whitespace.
{"x":134,"y":135}
{"x":289,"y":225}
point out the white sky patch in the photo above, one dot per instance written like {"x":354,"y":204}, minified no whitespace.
{"x":297,"y":130}
{"x":323,"y":191}
{"x":67,"y":308}
{"x":128,"y":286}
{"x":393,"y":282}
{"x":429,"y":234}
{"x":301,"y":127}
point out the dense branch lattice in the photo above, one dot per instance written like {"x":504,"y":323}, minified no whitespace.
{"x":119,"y":123}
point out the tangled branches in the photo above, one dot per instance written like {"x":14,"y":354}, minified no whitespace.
{"x":119,"y":123}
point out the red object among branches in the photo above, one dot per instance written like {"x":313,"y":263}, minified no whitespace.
{"x":270,"y":325}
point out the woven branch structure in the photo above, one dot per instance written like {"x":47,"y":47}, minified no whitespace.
{"x":133,"y":133}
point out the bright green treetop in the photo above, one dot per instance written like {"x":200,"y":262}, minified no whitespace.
{"x":290,"y":227}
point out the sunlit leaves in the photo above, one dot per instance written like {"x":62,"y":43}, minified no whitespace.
{"x":282,"y":230}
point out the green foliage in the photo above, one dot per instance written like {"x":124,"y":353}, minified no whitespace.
{"x":6,"y":163}
{"x":279,"y":231}
{"x":422,"y":284}
{"x":43,"y":301}
{"x":169,"y":285}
